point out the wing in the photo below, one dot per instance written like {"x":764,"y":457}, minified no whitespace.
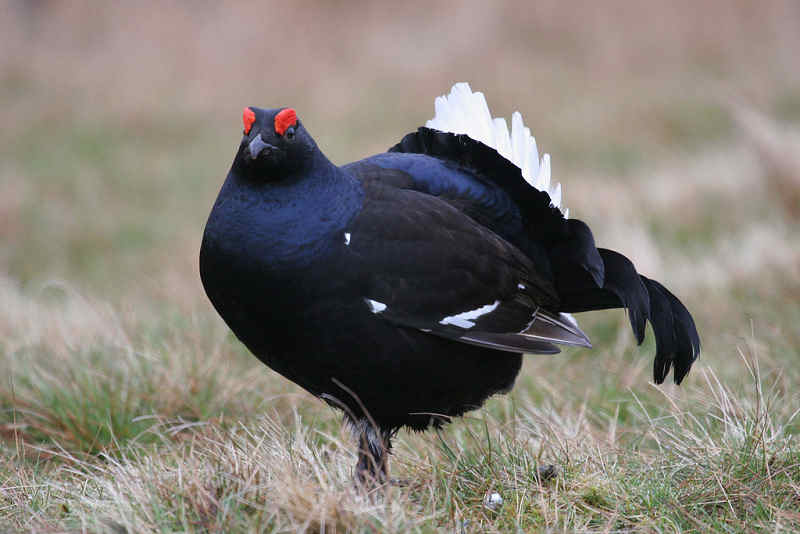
{"x":423,"y":264}
{"x":482,"y":184}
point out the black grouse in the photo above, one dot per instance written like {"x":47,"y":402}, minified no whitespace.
{"x":403,"y":288}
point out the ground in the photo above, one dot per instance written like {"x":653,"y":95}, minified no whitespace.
{"x":127,"y":405}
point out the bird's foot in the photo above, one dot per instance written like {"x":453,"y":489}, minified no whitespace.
{"x":547,"y":472}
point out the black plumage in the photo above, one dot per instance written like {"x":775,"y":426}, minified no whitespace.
{"x":403,"y":288}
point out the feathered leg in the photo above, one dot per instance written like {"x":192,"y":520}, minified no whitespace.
{"x":374,"y":444}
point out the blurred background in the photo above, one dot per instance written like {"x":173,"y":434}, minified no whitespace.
{"x":674,"y":128}
{"x":666,"y":122}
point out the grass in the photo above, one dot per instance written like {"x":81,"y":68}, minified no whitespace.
{"x":719,"y":457}
{"x":127,"y":406}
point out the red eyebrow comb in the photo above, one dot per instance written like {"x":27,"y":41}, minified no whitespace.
{"x":248,"y":118}
{"x":284,"y":119}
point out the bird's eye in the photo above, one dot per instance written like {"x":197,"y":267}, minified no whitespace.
{"x":289,"y":133}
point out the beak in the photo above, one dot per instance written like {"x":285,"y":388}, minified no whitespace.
{"x":258,"y":145}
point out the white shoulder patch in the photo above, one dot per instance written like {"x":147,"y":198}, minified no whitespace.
{"x":375,"y":306}
{"x":467,"y":318}
{"x":347,"y":238}
{"x":465,"y":112}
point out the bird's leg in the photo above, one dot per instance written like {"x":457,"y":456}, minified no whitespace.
{"x":373,"y":456}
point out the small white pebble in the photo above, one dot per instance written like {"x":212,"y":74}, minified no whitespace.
{"x":493,"y":501}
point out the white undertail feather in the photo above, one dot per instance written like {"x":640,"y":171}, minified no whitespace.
{"x":465,"y":112}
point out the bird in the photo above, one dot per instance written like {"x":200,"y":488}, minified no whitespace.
{"x":404,"y":288}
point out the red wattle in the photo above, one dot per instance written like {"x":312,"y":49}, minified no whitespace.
{"x":248,"y":117}
{"x":285,"y":118}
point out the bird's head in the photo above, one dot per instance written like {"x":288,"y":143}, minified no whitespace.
{"x":274,"y":143}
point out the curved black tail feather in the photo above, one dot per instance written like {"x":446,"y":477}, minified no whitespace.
{"x":623,"y":280}
{"x":677,"y":341}
{"x":622,"y":288}
{"x":576,"y":251}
